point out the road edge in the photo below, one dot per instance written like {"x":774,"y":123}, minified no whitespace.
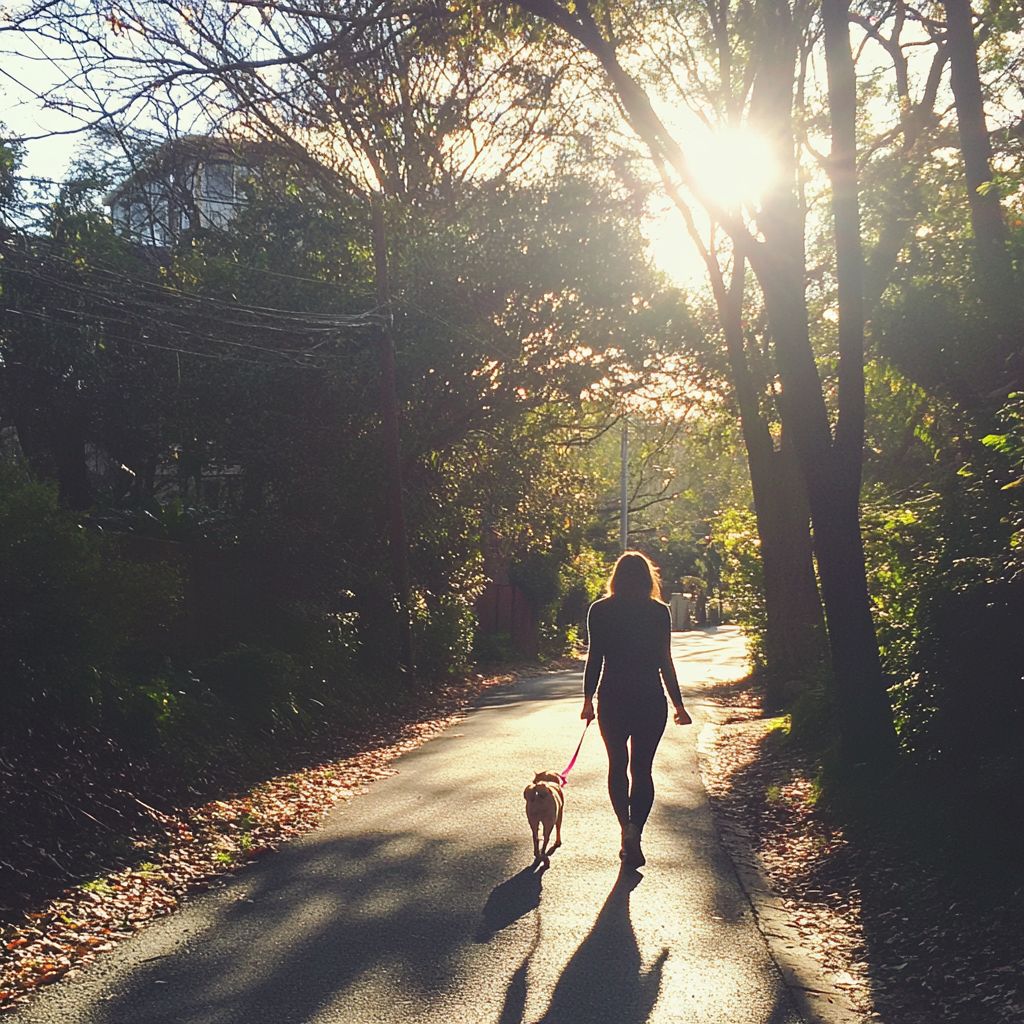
{"x":817,"y":999}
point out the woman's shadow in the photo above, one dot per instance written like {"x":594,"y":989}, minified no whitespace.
{"x":604,"y":982}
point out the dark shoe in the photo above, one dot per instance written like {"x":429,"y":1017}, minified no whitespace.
{"x":632,"y":856}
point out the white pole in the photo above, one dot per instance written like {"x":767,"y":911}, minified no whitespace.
{"x":624,"y":491}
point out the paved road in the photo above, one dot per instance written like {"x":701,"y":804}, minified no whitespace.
{"x":417,"y":903}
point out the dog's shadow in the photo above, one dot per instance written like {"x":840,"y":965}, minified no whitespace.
{"x":510,"y":901}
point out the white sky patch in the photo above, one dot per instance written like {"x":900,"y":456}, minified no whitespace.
{"x":22,"y":115}
{"x":735,"y":168}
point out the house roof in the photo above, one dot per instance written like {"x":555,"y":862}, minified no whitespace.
{"x":190,"y":150}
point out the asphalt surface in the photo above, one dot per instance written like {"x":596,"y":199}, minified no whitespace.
{"x":417,"y":902}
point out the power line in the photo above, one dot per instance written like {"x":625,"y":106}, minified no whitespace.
{"x":112,"y":298}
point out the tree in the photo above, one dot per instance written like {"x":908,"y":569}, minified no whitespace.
{"x":830,"y":463}
{"x":762,"y":54}
{"x":243,"y":361}
{"x":374,"y":101}
{"x":993,"y":270}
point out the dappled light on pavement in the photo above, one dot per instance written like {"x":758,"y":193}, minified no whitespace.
{"x":418,"y":901}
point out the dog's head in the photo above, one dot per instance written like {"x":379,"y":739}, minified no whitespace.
{"x":549,"y":776}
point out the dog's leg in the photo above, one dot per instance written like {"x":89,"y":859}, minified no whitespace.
{"x":547,"y":835}
{"x":558,"y":829}
{"x":537,"y":854}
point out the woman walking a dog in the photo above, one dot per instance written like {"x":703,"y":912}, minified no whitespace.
{"x":629,"y":667}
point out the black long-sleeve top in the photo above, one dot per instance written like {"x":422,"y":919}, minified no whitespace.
{"x":630,"y":650}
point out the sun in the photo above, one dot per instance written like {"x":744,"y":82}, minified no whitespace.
{"x":734,"y":168}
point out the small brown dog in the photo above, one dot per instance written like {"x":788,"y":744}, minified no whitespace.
{"x":544,"y":804}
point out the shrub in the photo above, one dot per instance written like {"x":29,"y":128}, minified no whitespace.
{"x":963,"y":704}
{"x":581,"y":581}
{"x":78,"y":623}
{"x":256,"y":687}
{"x":902,"y":548}
{"x":442,"y":633}
{"x":494,"y":649}
{"x":743,"y":577}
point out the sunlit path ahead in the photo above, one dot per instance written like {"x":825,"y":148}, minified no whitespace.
{"x":417,"y":903}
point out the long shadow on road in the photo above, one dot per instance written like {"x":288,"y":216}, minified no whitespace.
{"x":510,"y":901}
{"x":401,"y":914}
{"x":312,"y":921}
{"x":605,"y":982}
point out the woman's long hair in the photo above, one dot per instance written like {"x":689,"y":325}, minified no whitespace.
{"x":635,"y":578}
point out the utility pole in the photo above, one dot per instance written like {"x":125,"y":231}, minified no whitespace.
{"x":624,"y":490}
{"x":392,"y":445}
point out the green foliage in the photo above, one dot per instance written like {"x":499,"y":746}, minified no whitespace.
{"x":442,"y":633}
{"x":902,"y":545}
{"x":945,"y":584}
{"x":538,"y":573}
{"x":256,"y":687}
{"x":683,"y":471}
{"x":90,"y":638}
{"x":77,"y":617}
{"x":1010,"y":443}
{"x":10,"y":192}
{"x":581,"y":579}
{"x":494,"y":649}
{"x":560,"y":585}
{"x":203,"y":434}
{"x":743,"y":577}
{"x":172,"y":520}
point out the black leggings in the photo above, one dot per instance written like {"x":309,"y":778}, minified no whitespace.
{"x":642,"y":725}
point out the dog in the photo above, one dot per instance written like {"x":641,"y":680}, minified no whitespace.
{"x":545,"y":801}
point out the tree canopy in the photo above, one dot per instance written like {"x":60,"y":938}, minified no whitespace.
{"x":859,"y":317}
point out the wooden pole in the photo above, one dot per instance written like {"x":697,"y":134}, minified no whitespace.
{"x":398,"y":541}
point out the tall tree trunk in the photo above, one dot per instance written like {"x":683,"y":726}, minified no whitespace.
{"x":831,"y":466}
{"x":868,"y":731}
{"x":398,"y":541}
{"x":795,"y":645}
{"x":992,"y":266}
{"x":794,"y":608}
{"x":833,"y":486}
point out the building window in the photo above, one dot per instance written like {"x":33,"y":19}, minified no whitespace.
{"x":190,"y":193}
{"x":216,"y":194}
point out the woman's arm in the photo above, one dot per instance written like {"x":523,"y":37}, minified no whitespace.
{"x":595,"y":661}
{"x":668,"y":672}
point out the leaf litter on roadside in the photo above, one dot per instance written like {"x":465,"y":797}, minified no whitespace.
{"x":191,"y":849}
{"x":888,"y":931}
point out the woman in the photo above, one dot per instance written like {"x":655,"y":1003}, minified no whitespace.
{"x":630,"y":666}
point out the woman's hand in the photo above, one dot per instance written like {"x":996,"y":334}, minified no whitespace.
{"x":681,"y":717}
{"x":587,"y":714}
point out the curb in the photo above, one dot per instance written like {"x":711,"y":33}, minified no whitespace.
{"x":818,"y":1000}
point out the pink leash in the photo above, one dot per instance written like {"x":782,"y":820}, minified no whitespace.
{"x":568,"y":767}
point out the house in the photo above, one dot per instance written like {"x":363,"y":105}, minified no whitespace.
{"x":191,"y":182}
